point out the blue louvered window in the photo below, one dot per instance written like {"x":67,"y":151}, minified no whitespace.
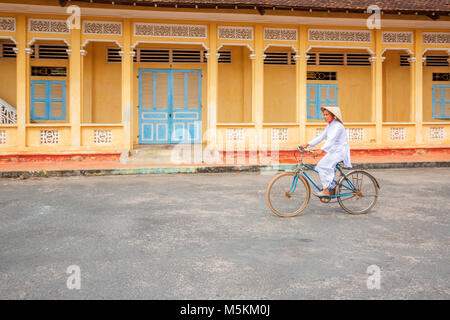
{"x":48,"y":100}
{"x":320,"y":95}
{"x":441,"y":101}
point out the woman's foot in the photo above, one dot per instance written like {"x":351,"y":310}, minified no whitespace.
{"x":323,"y":193}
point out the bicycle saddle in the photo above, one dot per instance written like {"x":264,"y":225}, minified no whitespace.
{"x":341,"y":164}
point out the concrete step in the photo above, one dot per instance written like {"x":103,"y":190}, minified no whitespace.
{"x":169,"y":154}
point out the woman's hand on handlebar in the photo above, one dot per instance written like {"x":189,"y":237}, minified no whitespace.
{"x":303,"y":146}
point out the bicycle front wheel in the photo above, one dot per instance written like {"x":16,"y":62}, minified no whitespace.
{"x":288,"y":194}
{"x":358,"y":193}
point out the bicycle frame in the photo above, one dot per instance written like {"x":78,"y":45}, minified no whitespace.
{"x":300,"y":170}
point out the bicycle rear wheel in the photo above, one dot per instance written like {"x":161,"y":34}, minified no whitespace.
{"x":358,"y":193}
{"x":287,"y":195}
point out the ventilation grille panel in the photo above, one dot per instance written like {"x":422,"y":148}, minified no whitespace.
{"x":436,"y":61}
{"x":312,"y":59}
{"x":331,"y":59}
{"x":441,"y":76}
{"x":225,"y":56}
{"x":338,"y":59}
{"x":187,"y":56}
{"x":404,"y":61}
{"x":43,"y":51}
{"x":7,"y":50}
{"x":113,"y":55}
{"x":153,"y":55}
{"x":358,"y":59}
{"x":279,"y":58}
{"x":319,"y":75}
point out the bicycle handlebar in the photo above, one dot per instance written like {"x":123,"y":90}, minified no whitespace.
{"x":299,"y":148}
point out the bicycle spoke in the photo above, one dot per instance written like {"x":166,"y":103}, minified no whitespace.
{"x":287,"y":195}
{"x":347,"y":198}
{"x":364,"y":189}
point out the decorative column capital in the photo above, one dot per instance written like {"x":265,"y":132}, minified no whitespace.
{"x":69,"y":52}
{"x":252,"y":56}
{"x":132,"y":53}
{"x":83,"y":52}
{"x":374,"y":59}
{"x":28,"y":51}
{"x":297,"y":57}
{"x":208,"y":55}
{"x":412,"y":59}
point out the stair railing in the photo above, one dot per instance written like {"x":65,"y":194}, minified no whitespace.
{"x":8,"y":114}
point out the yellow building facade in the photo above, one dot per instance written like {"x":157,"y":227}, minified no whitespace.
{"x":118,"y":77}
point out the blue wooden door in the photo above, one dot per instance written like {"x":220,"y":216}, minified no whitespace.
{"x":169,"y":106}
{"x":320,"y":95}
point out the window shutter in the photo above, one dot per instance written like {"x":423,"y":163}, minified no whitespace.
{"x":178,"y":90}
{"x":147,"y":90}
{"x":57,"y":109}
{"x":162,"y":94}
{"x":39,"y":109}
{"x":193,"y":90}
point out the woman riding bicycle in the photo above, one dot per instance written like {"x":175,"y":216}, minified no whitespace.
{"x":336,"y":147}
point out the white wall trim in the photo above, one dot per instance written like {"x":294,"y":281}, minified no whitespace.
{"x":281,"y":45}
{"x":236,"y":44}
{"x":33,"y":40}
{"x":100,"y":40}
{"x":436,"y":49}
{"x":10,"y":38}
{"x":406,"y":49}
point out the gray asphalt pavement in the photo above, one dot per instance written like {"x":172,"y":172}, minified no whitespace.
{"x":212,"y":236}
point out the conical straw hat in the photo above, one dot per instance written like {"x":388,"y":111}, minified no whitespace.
{"x":334,"y":110}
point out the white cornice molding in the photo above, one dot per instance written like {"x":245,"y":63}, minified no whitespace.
{"x":10,"y":38}
{"x":221,"y":17}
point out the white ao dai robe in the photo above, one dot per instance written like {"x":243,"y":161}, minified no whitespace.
{"x":337,"y":150}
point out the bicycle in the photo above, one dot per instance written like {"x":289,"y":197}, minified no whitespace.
{"x":289,"y":193}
